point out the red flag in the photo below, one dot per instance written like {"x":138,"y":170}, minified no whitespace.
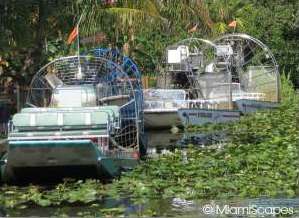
{"x":233,"y":24}
{"x":72,"y":35}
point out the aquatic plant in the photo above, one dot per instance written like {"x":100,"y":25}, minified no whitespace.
{"x":64,"y":193}
{"x":260,"y":158}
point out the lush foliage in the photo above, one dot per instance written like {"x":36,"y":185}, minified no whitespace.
{"x":27,"y":31}
{"x":35,"y":32}
{"x":63,"y":193}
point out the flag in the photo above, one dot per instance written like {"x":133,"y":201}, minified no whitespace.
{"x":72,"y":35}
{"x":193,"y":29}
{"x":233,"y":24}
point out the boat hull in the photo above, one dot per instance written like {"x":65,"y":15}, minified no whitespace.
{"x":203,"y":116}
{"x":160,"y":119}
{"x":72,"y":158}
{"x":247,"y":106}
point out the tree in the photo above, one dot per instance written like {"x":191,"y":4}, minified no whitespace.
{"x":26,"y":29}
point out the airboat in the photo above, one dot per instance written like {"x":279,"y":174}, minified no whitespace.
{"x":254,"y":70}
{"x":213,"y":82}
{"x":177,"y":85}
{"x":182,"y":85}
{"x":84,"y":118}
{"x":248,"y":81}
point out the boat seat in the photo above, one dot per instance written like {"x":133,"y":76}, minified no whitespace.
{"x":58,"y":134}
{"x":61,"y":120}
{"x":113,"y":111}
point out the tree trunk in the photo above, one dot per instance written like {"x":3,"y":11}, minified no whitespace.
{"x":40,"y":34}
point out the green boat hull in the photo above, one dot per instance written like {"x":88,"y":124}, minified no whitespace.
{"x":46,"y":155}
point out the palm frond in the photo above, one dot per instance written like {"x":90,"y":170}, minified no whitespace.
{"x":98,"y":18}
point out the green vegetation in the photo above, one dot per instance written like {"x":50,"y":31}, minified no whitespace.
{"x":35,"y":32}
{"x":260,"y":159}
{"x":67,"y":192}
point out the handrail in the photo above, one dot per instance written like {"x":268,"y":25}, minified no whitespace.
{"x":201,"y":103}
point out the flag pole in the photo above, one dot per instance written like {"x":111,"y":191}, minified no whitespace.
{"x":78,"y":35}
{"x":79,"y":76}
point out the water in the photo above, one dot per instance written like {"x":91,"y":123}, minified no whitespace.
{"x":164,"y":140}
{"x":159,"y":142}
{"x":263,"y":207}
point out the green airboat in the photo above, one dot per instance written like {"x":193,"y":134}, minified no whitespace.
{"x":84,"y":119}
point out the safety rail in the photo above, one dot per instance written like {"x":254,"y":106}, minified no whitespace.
{"x":4,"y":128}
{"x":176,"y":104}
{"x":239,"y":96}
{"x":169,"y":104}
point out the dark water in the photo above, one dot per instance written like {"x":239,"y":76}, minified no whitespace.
{"x":159,"y":142}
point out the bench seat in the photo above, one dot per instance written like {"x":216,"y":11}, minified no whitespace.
{"x":61,"y":120}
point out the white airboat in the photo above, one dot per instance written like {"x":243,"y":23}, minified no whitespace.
{"x":211,"y":82}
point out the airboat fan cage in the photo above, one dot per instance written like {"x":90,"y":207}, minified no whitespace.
{"x":89,"y":83}
{"x":86,"y":72}
{"x":201,"y":68}
{"x":189,"y":54}
{"x":253,"y":68}
{"x":126,"y":63}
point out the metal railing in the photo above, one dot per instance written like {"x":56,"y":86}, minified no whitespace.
{"x":4,"y":129}
{"x":172,"y":104}
{"x":157,"y":105}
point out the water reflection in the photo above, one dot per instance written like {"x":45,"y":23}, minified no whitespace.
{"x":165,"y":140}
{"x":165,"y":207}
{"x":162,"y":138}
{"x":263,"y":207}
{"x":2,"y":212}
